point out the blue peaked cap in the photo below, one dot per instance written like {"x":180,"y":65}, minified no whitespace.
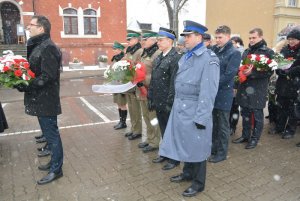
{"x":168,"y":33}
{"x":192,"y":27}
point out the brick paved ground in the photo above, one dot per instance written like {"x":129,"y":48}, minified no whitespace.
{"x":101,"y":164}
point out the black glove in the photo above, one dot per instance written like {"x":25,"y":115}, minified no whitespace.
{"x":199,"y":126}
{"x":151,"y":106}
{"x":140,"y":84}
{"x":21,"y":87}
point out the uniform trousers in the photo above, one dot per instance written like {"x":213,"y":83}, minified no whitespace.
{"x":196,"y":172}
{"x":153,"y":131}
{"x":134,"y":113}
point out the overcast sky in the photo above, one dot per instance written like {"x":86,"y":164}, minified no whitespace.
{"x":151,"y":11}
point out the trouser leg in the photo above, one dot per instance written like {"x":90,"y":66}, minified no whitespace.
{"x":223,"y":131}
{"x":282,"y":110}
{"x":50,"y":130}
{"x":135,"y":113}
{"x":153,"y":131}
{"x":258,"y":123}
{"x":246,"y":115}
{"x":234,"y":115}
{"x":215,"y":136}
{"x":199,"y":175}
{"x":162,"y":118}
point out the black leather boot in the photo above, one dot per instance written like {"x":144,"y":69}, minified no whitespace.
{"x":118,"y":124}
{"x":122,"y":123}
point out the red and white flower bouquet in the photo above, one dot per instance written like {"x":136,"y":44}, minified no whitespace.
{"x":260,"y":63}
{"x":283,"y":63}
{"x":122,"y":76}
{"x":15,"y":70}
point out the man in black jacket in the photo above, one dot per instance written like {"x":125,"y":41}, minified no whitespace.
{"x":161,"y":90}
{"x":252,"y":94}
{"x":41,"y":97}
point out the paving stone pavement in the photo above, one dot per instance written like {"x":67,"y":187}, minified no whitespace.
{"x":101,"y":164}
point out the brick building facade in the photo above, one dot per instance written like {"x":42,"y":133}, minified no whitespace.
{"x":82,"y":29}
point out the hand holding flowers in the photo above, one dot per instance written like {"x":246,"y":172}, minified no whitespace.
{"x":15,"y":70}
{"x":260,"y":63}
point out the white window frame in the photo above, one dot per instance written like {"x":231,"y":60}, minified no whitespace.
{"x":80,"y":24}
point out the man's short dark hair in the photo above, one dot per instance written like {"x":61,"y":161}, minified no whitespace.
{"x":259,"y":31}
{"x":44,"y":22}
{"x":223,"y":30}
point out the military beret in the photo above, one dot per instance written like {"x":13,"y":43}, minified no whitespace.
{"x":118,"y":45}
{"x":148,"y":34}
{"x":192,"y":27}
{"x":166,"y":33}
{"x":132,"y":34}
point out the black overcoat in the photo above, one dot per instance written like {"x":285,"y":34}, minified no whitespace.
{"x":42,"y":96}
{"x":161,"y":89}
{"x":253,"y":93}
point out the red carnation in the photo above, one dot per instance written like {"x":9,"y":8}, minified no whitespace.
{"x":249,"y":56}
{"x":257,"y":58}
{"x":26,"y":65}
{"x":6,"y":68}
{"x":31,"y":74}
{"x":269,"y":61}
{"x":18,"y":73}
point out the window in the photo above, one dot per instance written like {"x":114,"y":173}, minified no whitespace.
{"x":80,"y":23}
{"x":70,"y":21}
{"x":292,"y":3}
{"x":90,"y":22}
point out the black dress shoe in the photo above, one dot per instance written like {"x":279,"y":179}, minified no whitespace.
{"x":252,"y":144}
{"x":45,"y":152}
{"x":142,"y":145}
{"x":240,"y":140}
{"x":128,"y":134}
{"x":117,"y":124}
{"x":44,"y":167}
{"x":41,"y":148}
{"x":134,"y":136}
{"x":41,"y":140}
{"x":298,"y":144}
{"x":159,"y":159}
{"x":180,"y":178}
{"x":216,"y":159}
{"x":120,"y":126}
{"x":38,"y":136}
{"x":170,"y":166}
{"x":287,"y":136}
{"x":149,"y":149}
{"x":49,"y":178}
{"x":190,"y":192}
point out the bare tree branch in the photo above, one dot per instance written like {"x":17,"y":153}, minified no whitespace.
{"x":182,"y":4}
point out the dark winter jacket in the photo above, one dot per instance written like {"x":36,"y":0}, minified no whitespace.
{"x":161,"y":89}
{"x":117,"y":57}
{"x":253,"y":93}
{"x":288,"y":80}
{"x":230,"y":59}
{"x":42,"y":96}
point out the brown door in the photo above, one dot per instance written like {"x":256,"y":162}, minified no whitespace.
{"x":10,"y":18}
